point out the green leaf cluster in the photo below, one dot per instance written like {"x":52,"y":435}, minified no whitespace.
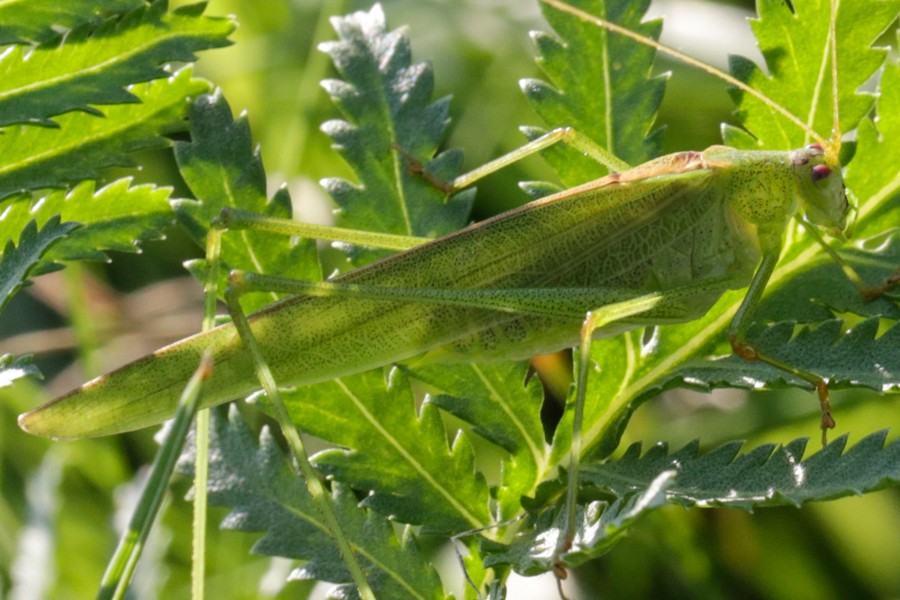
{"x":420,"y":454}
{"x":82,"y":89}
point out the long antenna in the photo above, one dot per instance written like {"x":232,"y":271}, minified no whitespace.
{"x":690,"y":60}
{"x":834,"y":146}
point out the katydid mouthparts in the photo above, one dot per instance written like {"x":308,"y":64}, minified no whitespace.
{"x":666,"y":238}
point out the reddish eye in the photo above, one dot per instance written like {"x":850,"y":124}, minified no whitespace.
{"x":820,"y":172}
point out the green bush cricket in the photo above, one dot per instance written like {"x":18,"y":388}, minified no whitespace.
{"x":106,"y":406}
{"x":580,"y":268}
{"x":743,"y":199}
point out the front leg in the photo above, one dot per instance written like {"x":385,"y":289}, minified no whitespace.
{"x":742,"y":348}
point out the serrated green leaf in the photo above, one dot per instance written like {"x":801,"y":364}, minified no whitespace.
{"x":600,"y":84}
{"x":255,"y":480}
{"x":404,"y":459}
{"x":94,"y":65}
{"x":391,"y":121}
{"x":37,"y":20}
{"x":765,"y":476}
{"x":39,"y":157}
{"x":858,"y":357}
{"x":495,"y":399}
{"x":116,"y":217}
{"x":224,"y":169}
{"x":18,"y":262}
{"x":16,"y":367}
{"x":793,"y":44}
{"x":599,"y":525}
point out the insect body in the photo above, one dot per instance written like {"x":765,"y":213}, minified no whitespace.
{"x":678,"y":231}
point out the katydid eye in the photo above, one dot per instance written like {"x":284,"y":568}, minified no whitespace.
{"x":820,"y":172}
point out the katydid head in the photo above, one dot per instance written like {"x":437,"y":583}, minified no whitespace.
{"x":821,"y":189}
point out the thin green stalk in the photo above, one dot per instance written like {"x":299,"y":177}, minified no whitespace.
{"x":201,"y":479}
{"x":201,"y":438}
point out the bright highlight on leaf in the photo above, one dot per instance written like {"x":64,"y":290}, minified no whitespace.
{"x":15,"y":367}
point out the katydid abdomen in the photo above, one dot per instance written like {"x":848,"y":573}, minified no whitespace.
{"x":681,"y":222}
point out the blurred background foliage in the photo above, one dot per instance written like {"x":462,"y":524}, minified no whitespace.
{"x":61,"y":502}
